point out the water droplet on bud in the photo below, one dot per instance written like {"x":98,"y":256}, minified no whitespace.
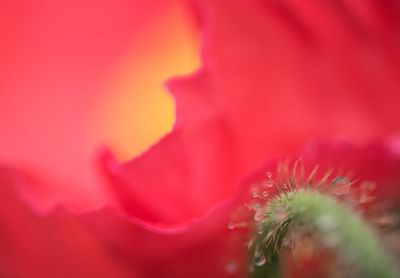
{"x":269,"y":175}
{"x":269,"y":183}
{"x":265,"y":194}
{"x":340,"y":181}
{"x":342,"y":185}
{"x":231,"y":225}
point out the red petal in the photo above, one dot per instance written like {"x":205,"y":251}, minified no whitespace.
{"x":60,"y":244}
{"x":286,"y":73}
{"x":179,"y":178}
{"x":53,"y":245}
{"x":201,"y":249}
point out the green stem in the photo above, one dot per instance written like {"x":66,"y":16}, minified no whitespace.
{"x":354,"y":241}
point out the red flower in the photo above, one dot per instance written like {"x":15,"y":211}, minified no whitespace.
{"x":275,"y":76}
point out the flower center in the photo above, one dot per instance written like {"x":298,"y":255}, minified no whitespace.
{"x":299,"y":218}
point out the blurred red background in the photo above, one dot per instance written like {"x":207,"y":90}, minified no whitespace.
{"x":76,"y":75}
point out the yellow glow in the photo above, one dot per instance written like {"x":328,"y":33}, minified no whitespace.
{"x":137,"y":110}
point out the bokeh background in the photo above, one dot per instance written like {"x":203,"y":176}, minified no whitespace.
{"x":76,"y":76}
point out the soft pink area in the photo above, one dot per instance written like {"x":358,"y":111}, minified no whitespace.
{"x":57,"y":59}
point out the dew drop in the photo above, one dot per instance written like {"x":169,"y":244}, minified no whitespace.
{"x":269,"y":183}
{"x":259,"y":258}
{"x":231,"y":225}
{"x":255,"y":194}
{"x":265,"y":194}
{"x":269,"y":175}
{"x":340,"y":181}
